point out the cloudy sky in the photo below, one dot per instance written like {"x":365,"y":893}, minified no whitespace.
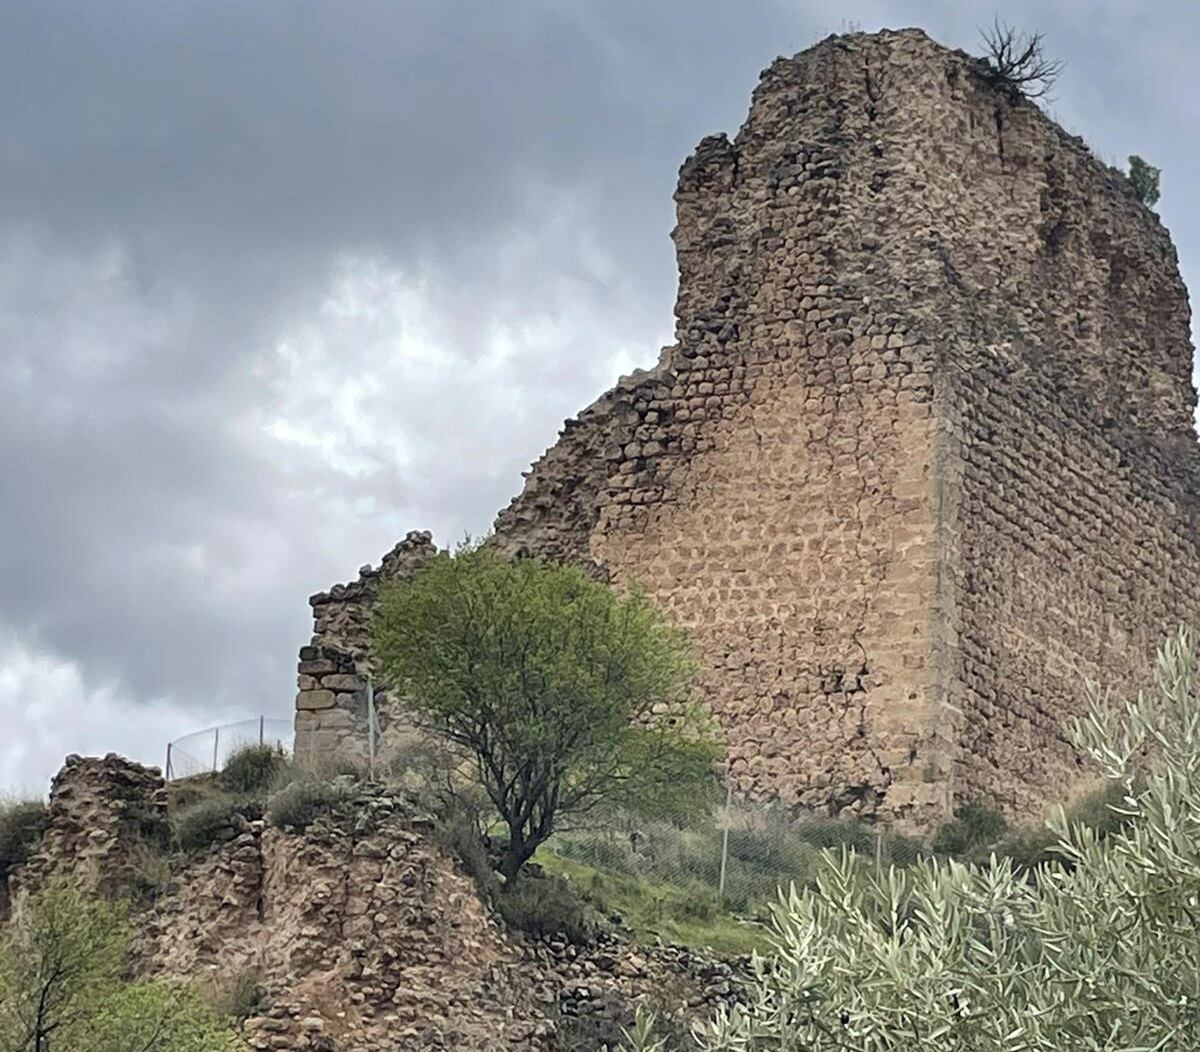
{"x":280,"y":281}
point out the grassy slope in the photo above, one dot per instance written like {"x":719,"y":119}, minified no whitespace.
{"x":677,"y":915}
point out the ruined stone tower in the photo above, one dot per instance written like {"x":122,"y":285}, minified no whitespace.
{"x":921,"y":460}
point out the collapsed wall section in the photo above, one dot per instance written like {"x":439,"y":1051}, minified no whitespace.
{"x":103,"y":815}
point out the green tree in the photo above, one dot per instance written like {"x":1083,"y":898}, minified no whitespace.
{"x":21,"y":825}
{"x":1100,"y":954}
{"x":559,"y":694}
{"x":1144,"y":179}
{"x":64,"y":986}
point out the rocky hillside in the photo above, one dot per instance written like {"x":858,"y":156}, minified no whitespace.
{"x":358,"y":932}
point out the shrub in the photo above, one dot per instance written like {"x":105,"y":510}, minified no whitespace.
{"x":21,"y":825}
{"x":769,"y":848}
{"x":65,"y":968}
{"x":1144,"y":178}
{"x":238,"y":995}
{"x":946,"y":957}
{"x":546,"y":905}
{"x":300,"y":803}
{"x":652,"y":1032}
{"x":206,"y":822}
{"x":150,"y":871}
{"x":185,"y":792}
{"x":611,"y":1021}
{"x":253,"y":770}
{"x":1031,"y":849}
{"x":975,"y":826}
{"x":456,"y":831}
{"x":1017,"y":62}
{"x":683,"y":914}
{"x":144,"y":822}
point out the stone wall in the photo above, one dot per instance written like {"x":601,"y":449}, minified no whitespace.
{"x":921,"y":456}
{"x":331,"y":702}
{"x":103,"y":814}
{"x":1077,"y":547}
{"x":1067,"y":471}
{"x":367,"y":937}
{"x":361,"y":932}
{"x":769,"y":480}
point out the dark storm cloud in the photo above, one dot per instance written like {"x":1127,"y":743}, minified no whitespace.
{"x":281,"y":281}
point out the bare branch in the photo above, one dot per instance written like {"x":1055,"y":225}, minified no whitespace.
{"x":1017,"y":62}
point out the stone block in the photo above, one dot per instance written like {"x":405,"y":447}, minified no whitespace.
{"x":342,"y":681}
{"x":311,"y":700}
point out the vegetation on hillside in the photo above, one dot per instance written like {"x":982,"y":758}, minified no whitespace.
{"x":661,"y":878}
{"x":1100,"y":950}
{"x":21,"y":824}
{"x":560,"y":696}
{"x":257,"y":781}
{"x":65,"y":986}
{"x":1144,"y":179}
{"x":653,"y":910}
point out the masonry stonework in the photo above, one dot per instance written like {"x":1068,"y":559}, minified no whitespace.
{"x":102,"y":815}
{"x":335,"y":667}
{"x":921,"y":459}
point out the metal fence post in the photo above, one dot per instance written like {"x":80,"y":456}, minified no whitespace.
{"x":262,"y":721}
{"x":370,"y":727}
{"x":167,"y":769}
{"x":216,"y":742}
{"x":725,"y":840}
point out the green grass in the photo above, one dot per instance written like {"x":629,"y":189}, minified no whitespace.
{"x":685,"y":916}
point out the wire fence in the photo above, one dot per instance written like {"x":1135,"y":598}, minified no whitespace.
{"x":207,"y":751}
{"x":739,"y":854}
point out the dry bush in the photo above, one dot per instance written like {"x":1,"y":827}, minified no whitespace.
{"x":238,"y":995}
{"x":206,"y":822}
{"x":543,"y":905}
{"x":1017,"y":62}
{"x":254,"y":770}
{"x":300,"y":803}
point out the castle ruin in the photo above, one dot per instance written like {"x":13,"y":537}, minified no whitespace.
{"x":919,"y":464}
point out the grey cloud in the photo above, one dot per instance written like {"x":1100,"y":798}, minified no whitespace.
{"x":183,"y":186}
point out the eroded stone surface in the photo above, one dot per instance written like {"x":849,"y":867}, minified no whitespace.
{"x":103,"y":815}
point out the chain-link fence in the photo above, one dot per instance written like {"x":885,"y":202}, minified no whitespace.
{"x":207,"y":751}
{"x":740,"y":854}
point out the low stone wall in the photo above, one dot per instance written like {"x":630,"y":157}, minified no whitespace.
{"x":331,"y":702}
